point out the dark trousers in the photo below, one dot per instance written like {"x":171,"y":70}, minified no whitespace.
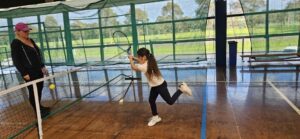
{"x":163,"y":91}
{"x":33,"y":76}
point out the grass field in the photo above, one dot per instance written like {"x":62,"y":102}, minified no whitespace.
{"x":258,"y":44}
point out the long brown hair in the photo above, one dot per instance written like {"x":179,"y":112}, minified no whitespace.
{"x":152,"y":69}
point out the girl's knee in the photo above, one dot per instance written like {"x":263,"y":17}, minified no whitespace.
{"x":151,"y":101}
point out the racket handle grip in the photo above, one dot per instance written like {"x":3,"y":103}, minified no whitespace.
{"x":131,"y":78}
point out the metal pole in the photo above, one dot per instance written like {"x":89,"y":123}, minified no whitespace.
{"x":220,"y":29}
{"x":40,"y":35}
{"x":151,"y":47}
{"x":243,"y":41}
{"x":38,"y":112}
{"x":267,"y":28}
{"x":47,"y":44}
{"x":8,"y":63}
{"x":11,"y":33}
{"x":62,"y":43}
{"x":174,"y":30}
{"x":101,"y":37}
{"x":3,"y":75}
{"x":135,"y":41}
{"x":298,"y":48}
{"x":68,"y":36}
{"x":81,"y":36}
{"x":144,"y":32}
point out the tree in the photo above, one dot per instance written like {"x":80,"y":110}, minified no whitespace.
{"x":87,"y":33}
{"x":167,"y":10}
{"x":50,"y":21}
{"x":141,"y":16}
{"x":77,"y":24}
{"x":107,"y":19}
{"x":251,"y":6}
{"x":293,"y":4}
{"x":293,"y":16}
{"x":166,"y":13}
{"x":203,"y":9}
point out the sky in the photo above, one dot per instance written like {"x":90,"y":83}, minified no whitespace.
{"x":153,"y":10}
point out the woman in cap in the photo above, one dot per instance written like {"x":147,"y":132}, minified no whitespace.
{"x":27,"y":59}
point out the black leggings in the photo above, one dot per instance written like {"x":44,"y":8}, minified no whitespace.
{"x":40,"y":85}
{"x":164,"y":93}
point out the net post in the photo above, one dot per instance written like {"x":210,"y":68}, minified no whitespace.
{"x":38,"y":111}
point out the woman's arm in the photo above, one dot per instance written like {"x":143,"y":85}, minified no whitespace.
{"x":16,"y":53}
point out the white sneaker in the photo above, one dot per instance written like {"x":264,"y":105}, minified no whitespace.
{"x":185,"y":89}
{"x":153,"y":120}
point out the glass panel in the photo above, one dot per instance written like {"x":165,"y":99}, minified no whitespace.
{"x":156,"y":32}
{"x":85,"y":37}
{"x":190,"y":29}
{"x":250,"y":6}
{"x":86,"y":55}
{"x":108,"y":34}
{"x":285,"y":22}
{"x":283,"y":4}
{"x":116,"y":16}
{"x":258,"y":45}
{"x":284,"y":44}
{"x":236,"y":26}
{"x":234,"y":7}
{"x":30,"y":19}
{"x":256,"y":24}
{"x":163,"y":52}
{"x":155,"y":11}
{"x":189,"y":9}
{"x":53,"y":20}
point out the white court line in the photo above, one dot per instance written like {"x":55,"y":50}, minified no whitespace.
{"x":284,"y":97}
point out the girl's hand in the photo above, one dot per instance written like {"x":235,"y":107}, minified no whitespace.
{"x":130,"y":57}
{"x":26,"y":77}
{"x":45,"y":71}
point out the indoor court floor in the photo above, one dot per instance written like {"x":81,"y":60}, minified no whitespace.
{"x":233,"y":104}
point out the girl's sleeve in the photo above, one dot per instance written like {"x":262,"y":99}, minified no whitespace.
{"x":16,"y":54}
{"x":142,"y":67}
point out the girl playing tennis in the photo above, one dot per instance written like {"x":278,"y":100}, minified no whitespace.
{"x":148,"y":65}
